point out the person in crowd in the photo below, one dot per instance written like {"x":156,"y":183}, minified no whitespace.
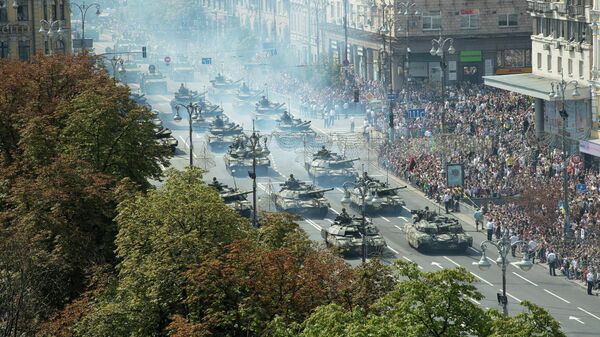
{"x":552,"y":259}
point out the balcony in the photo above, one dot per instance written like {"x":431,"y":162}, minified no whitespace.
{"x":539,"y":6}
{"x":576,"y":11}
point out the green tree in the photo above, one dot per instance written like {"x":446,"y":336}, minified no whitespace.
{"x":534,"y":322}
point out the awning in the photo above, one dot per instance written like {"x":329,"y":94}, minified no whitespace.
{"x":591,"y":147}
{"x":534,"y":86}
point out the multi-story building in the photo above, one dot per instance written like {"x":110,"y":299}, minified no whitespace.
{"x":562,"y":49}
{"x":24,"y":27}
{"x":489,"y":37}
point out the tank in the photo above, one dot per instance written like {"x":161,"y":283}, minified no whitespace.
{"x":164,"y":136}
{"x":330,"y":167}
{"x":387,"y":201}
{"x":221,"y":133}
{"x":153,"y":82}
{"x":431,"y":232}
{"x":344,"y":235}
{"x":245,"y":94}
{"x":267,"y":113}
{"x":238,"y":159}
{"x":300,"y":198}
{"x":233,"y":198}
{"x":185,"y":96}
{"x":220,"y":82}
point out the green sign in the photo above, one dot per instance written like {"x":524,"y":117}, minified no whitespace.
{"x":470,"y":56}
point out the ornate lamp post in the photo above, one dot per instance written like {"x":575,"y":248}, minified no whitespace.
{"x":51,"y":30}
{"x":561,"y":87}
{"x":193,"y":110}
{"x":254,"y":141}
{"x":117,"y":66}
{"x":408,"y":10}
{"x":364,"y":188}
{"x":504,"y":247}
{"x":83,"y":8}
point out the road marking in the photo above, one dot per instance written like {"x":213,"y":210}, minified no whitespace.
{"x":186,"y":145}
{"x":523,"y":278}
{"x":482,"y":279}
{"x":334,"y":211}
{"x":393,"y":250}
{"x":511,"y":296}
{"x":411,"y":261}
{"x":403,"y":218}
{"x":553,"y":294}
{"x":329,"y":220}
{"x":437,"y":264}
{"x":473,"y":249}
{"x":491,"y":260}
{"x":576,"y":319}
{"x":451,"y":261}
{"x":312,"y":223}
{"x":262,"y":187}
{"x":384,"y":218}
{"x":406,"y":208}
{"x":474,"y":301}
{"x":400,"y":228}
{"x":339,"y":189}
{"x":589,"y":313}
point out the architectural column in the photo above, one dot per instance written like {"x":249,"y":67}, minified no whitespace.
{"x":539,"y":117}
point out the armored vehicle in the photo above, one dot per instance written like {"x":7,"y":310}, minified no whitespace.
{"x":266,"y":113}
{"x":245,"y":93}
{"x":287,"y":123}
{"x":132,"y":73}
{"x":430,"y":231}
{"x":233,"y":198}
{"x":346,"y":235}
{"x":164,"y":136}
{"x":222,"y":133}
{"x":331,"y":167}
{"x":186,"y":96}
{"x":182,"y":72}
{"x":239,"y":156}
{"x":153,"y":82}
{"x":381,"y":197}
{"x":298,"y":197}
{"x":140,"y":100}
{"x":220,"y":82}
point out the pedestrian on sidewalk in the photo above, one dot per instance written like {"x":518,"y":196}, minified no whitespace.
{"x":590,"y":281}
{"x":551,"y":257}
{"x":478,"y":219}
{"x":351,"y":124}
{"x":513,"y":243}
{"x":490,"y":229}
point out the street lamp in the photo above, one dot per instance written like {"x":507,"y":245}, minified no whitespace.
{"x":408,"y":10}
{"x":254,"y":141}
{"x":193,"y":110}
{"x":83,"y":8}
{"x":561,"y":87}
{"x":117,"y":66}
{"x":364,"y":188}
{"x":504,"y":247}
{"x":50,"y":31}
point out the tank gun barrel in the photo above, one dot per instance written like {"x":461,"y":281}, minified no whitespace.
{"x":391,"y":189}
{"x":237,"y":194}
{"x":345,"y":161}
{"x":322,"y":190}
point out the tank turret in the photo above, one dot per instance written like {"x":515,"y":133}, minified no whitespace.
{"x":300,"y":198}
{"x":387,"y":199}
{"x":345,"y":235}
{"x":430,"y":232}
{"x":329,"y":167}
{"x":239,"y":156}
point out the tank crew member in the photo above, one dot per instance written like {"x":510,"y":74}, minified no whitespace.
{"x":292,"y":182}
{"x":244,"y":88}
{"x":219,"y":122}
{"x":216,"y":184}
{"x":183,"y":90}
{"x":286,"y":118}
{"x":323,"y":153}
{"x":343,"y":217}
{"x":264,"y":101}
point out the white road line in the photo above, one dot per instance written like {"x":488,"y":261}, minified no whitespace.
{"x":334,"y":211}
{"x":409,"y":260}
{"x":511,"y":296}
{"x":406,"y":208}
{"x":261,"y":187}
{"x":393,"y":250}
{"x":312,"y":223}
{"x":474,"y":301}
{"x":553,"y":294}
{"x":339,"y":189}
{"x":576,"y":319}
{"x":482,"y":279}
{"x":400,"y":228}
{"x":524,"y":279}
{"x":403,"y":218}
{"x":186,"y":145}
{"x":589,"y":313}
{"x":451,"y":261}
{"x":329,"y":220}
{"x":384,"y":218}
{"x":437,"y":264}
{"x":473,"y":249}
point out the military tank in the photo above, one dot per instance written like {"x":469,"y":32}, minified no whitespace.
{"x":164,"y":136}
{"x":239,"y":156}
{"x":222,"y":133}
{"x":220,"y":82}
{"x":233,"y":198}
{"x":245,"y":93}
{"x":430,"y":232}
{"x":381,"y":196}
{"x":185,"y":96}
{"x":300,"y":198}
{"x":329,"y":167}
{"x":346,"y":236}
{"x":266,"y":113}
{"x":153,"y":82}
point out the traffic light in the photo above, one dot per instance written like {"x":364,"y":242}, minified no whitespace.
{"x":356,"y":95}
{"x":391,"y":119}
{"x":144,"y":52}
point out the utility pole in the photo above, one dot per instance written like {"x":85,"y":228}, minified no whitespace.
{"x":346,"y":62}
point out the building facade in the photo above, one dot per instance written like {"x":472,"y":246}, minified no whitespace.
{"x":24,"y":26}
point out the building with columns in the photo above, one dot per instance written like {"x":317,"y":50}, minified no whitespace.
{"x":24,"y":26}
{"x":563,"y":44}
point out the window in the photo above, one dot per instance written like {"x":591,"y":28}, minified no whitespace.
{"x":539,"y":60}
{"x":62,"y":11}
{"x":3,"y":15}
{"x":515,"y":58}
{"x":508,"y":20}
{"x":23,"y":13}
{"x":581,"y":69}
{"x":559,"y":64}
{"x":53,"y":8}
{"x":570,"y":66}
{"x":3,"y":49}
{"x":432,"y":20}
{"x":469,"y":19}
{"x":549,"y":62}
{"x":24,"y":50}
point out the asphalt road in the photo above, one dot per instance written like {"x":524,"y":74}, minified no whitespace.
{"x":578,"y":313}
